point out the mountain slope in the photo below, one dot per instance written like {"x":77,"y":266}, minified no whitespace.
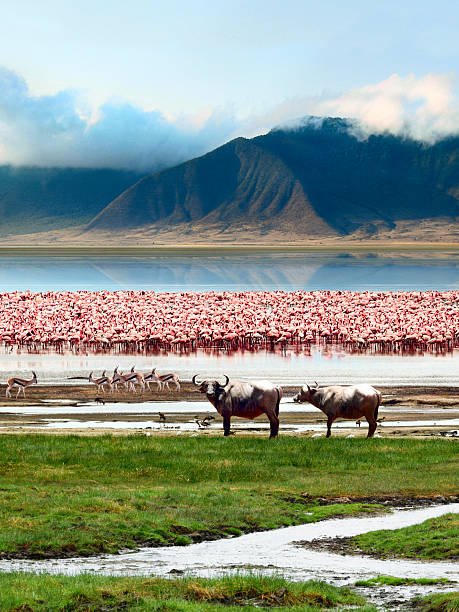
{"x":236,"y":183}
{"x":37,"y":199}
{"x":318,"y":180}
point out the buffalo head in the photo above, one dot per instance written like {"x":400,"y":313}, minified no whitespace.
{"x":305,"y":394}
{"x":212,"y":388}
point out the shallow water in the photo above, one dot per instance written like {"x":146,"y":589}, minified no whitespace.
{"x":329,"y":366}
{"x":70,"y":407}
{"x":270,"y":552}
{"x":53,"y":423}
{"x":236,"y":272}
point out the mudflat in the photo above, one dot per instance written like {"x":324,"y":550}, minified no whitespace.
{"x":424,"y":411}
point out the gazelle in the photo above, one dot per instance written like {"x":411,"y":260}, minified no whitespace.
{"x":165,"y":379}
{"x":135,"y":378}
{"x":128,"y":380}
{"x":115,"y":380}
{"x":100,"y":382}
{"x":20,"y":383}
{"x":152,"y":378}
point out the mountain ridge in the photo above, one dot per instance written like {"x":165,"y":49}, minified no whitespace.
{"x":318,"y":179}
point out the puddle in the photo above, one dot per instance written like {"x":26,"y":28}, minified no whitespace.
{"x":272,"y":552}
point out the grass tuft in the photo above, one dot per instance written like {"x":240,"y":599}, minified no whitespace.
{"x":436,"y":538}
{"x":438,"y":602}
{"x":89,"y":592}
{"x":394,"y":581}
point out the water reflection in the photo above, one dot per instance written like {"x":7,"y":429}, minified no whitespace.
{"x":287,"y":271}
{"x":289,"y":368}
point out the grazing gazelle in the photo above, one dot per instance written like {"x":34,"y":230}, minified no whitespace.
{"x":100,"y":382}
{"x":20,"y":383}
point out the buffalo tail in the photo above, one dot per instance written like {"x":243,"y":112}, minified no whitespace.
{"x":378,"y":404}
{"x":279,"y":395}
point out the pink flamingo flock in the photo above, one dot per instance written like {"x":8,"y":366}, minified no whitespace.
{"x":233,"y":320}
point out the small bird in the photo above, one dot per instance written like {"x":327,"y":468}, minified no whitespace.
{"x":358,"y":423}
{"x":99,"y":400}
{"x":162,"y":417}
{"x":380,"y":420}
{"x":206,"y":421}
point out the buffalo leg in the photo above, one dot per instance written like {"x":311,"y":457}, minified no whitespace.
{"x":226,"y":425}
{"x":273,"y":425}
{"x":329,"y":424}
{"x":372,"y":424}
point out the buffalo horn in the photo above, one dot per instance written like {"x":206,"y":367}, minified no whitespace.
{"x":193,"y":380}
{"x":227,"y":380}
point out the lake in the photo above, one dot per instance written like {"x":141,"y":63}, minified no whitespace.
{"x":233,"y":272}
{"x":239,"y":272}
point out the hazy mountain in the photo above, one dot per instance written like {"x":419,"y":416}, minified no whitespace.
{"x":319,"y":179}
{"x":39,"y":199}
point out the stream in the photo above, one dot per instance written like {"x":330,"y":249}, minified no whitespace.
{"x":275,"y":552}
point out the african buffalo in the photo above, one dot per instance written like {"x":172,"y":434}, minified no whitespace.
{"x":337,"y":402}
{"x":243,"y":399}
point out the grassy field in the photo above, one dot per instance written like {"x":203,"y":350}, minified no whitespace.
{"x":86,"y":592}
{"x":69,"y":495}
{"x":436,"y":538}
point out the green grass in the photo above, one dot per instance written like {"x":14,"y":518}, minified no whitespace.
{"x":70,"y":495}
{"x":439,"y":602}
{"x":394,"y":581}
{"x":436,"y":538}
{"x":90,"y":592}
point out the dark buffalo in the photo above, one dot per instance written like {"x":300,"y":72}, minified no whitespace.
{"x":243,"y":399}
{"x":337,"y":402}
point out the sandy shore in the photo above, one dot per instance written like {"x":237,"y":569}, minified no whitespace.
{"x":14,"y":246}
{"x":429,"y":409}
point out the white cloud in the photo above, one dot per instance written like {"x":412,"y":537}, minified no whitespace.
{"x":60,"y":130}
{"x":425,"y":108}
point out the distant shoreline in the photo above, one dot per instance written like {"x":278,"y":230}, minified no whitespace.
{"x":230,"y":249}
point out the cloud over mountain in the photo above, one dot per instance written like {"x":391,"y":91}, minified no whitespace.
{"x":424,"y":108}
{"x":62,"y":130}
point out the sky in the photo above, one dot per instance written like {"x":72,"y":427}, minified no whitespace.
{"x":145,"y":83}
